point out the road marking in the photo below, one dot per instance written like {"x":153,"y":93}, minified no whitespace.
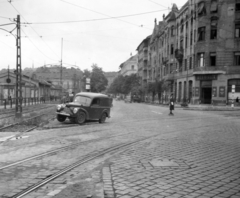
{"x":156,"y":112}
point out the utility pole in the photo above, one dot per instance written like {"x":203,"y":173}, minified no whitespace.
{"x":18,"y":107}
{"x":61,"y":67}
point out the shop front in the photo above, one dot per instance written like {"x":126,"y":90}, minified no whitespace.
{"x":233,"y":90}
{"x":206,"y":91}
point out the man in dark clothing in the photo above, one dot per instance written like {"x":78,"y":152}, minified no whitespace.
{"x":237,"y":100}
{"x":71,"y":96}
{"x":171,"y":105}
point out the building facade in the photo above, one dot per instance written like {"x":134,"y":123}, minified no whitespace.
{"x":196,"y":51}
{"x":70,"y":80}
{"x":130,"y":66}
{"x":143,"y":72}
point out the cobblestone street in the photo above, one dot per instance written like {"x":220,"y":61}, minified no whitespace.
{"x":196,"y":154}
{"x":191,"y":154}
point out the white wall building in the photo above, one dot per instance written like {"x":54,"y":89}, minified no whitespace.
{"x":130,"y":66}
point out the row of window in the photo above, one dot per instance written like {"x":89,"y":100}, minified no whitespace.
{"x":213,"y":59}
{"x":201,"y":58}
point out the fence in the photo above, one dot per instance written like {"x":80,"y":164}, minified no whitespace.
{"x":10,"y":103}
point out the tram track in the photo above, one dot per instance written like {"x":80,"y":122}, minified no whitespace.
{"x":11,"y":112}
{"x":26,"y":125}
{"x":83,"y":159}
{"x":58,"y":150}
{"x":88,"y":158}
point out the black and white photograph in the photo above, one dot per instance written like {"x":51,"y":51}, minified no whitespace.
{"x":119,"y":99}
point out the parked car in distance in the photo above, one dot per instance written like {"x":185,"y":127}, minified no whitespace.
{"x":128,"y":99}
{"x":136,"y":98}
{"x":85,"y":106}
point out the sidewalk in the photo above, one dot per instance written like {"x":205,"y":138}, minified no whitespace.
{"x":201,"y":107}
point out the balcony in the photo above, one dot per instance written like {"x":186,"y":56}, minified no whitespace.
{"x":145,"y":66}
{"x":145,"y":77}
{"x":210,"y":70}
{"x":145,"y":57}
{"x":169,"y":77}
{"x":179,"y":54}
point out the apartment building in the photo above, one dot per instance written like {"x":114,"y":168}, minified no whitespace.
{"x":143,"y":64}
{"x":130,"y":66}
{"x":196,"y":51}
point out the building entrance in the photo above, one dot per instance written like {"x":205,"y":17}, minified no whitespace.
{"x":206,"y":97}
{"x":206,"y":92}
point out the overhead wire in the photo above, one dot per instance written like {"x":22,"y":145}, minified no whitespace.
{"x":101,"y":13}
{"x":100,"y":19}
{"x":4,"y":17}
{"x":36,"y":33}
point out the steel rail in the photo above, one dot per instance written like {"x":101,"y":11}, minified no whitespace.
{"x":22,"y":122}
{"x":28,"y":110}
{"x":58,"y":150}
{"x":80,"y":143}
{"x":86,"y":159}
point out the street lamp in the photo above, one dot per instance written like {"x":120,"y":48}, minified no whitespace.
{"x":174,"y":86}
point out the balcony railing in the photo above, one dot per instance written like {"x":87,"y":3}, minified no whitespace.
{"x":212,"y":69}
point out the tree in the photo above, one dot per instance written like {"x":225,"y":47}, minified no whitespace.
{"x":125,"y":85}
{"x":116,"y":86}
{"x":98,"y":80}
{"x":157,"y":87}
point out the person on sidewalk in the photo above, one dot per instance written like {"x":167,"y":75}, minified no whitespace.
{"x":171,"y":105}
{"x":237,"y":100}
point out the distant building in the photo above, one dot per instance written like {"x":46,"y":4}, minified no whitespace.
{"x":130,"y":66}
{"x":110,"y":77}
{"x":143,"y":69}
{"x":31,"y":87}
{"x":71,"y":78}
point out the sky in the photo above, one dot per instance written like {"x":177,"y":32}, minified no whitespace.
{"x":78,"y":32}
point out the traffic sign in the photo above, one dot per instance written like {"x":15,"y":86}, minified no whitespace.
{"x":87,"y":86}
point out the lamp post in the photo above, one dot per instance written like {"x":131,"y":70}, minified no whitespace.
{"x":174,"y":88}
{"x":187,"y":91}
{"x":163,"y":94}
{"x":61,"y":67}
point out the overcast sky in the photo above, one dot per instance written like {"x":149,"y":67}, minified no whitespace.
{"x":102,"y":32}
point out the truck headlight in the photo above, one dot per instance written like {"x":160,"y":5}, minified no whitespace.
{"x":75,"y":110}
{"x":59,"y":107}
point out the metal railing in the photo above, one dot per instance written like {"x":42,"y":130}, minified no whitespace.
{"x":10,"y":103}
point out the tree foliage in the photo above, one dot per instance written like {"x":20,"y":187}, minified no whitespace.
{"x":98,"y":81}
{"x":125,"y":85}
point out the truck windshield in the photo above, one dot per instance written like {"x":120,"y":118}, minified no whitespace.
{"x":83,"y":100}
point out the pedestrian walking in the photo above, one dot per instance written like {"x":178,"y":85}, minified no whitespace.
{"x":237,"y":100}
{"x":71,"y":96}
{"x":171,"y":105}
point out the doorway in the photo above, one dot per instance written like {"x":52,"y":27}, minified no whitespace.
{"x":206,"y":95}
{"x":206,"y":92}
